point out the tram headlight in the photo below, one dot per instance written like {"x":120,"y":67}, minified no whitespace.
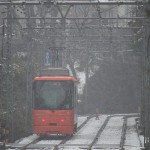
{"x":62,"y":120}
{"x":43,"y":120}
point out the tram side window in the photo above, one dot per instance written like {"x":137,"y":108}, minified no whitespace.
{"x":36,"y":100}
{"x":75,"y":96}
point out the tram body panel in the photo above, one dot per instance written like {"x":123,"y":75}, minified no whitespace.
{"x":54,"y":105}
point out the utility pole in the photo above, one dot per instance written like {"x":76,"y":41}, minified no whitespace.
{"x":29,"y":70}
{"x":86,"y":77}
{"x":0,"y":82}
{"x":147,"y":97}
{"x":9,"y":75}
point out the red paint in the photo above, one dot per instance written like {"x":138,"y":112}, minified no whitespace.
{"x":55,"y":78}
{"x":53,"y":122}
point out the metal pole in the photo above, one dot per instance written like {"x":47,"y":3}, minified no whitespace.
{"x":75,"y":18}
{"x":65,"y":2}
{"x":0,"y":82}
{"x":3,"y":36}
{"x":9,"y":82}
{"x":148,"y":100}
{"x":29,"y":74}
{"x":86,"y":78}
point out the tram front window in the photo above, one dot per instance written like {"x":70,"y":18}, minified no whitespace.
{"x":52,"y":95}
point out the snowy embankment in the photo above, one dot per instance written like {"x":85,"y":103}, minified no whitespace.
{"x":132,"y":141}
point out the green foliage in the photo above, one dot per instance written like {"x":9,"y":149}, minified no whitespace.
{"x":19,"y":68}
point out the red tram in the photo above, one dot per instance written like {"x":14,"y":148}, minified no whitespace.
{"x":54,"y":103}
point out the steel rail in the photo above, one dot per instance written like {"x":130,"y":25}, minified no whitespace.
{"x":89,"y":147}
{"x":85,"y":27}
{"x":19,"y":146}
{"x":99,"y":132}
{"x":75,"y":18}
{"x":65,"y":2}
{"x":138,"y":116}
{"x":56,"y":147}
{"x":88,"y":36}
{"x":127,"y":115}
{"x":123,"y":134}
{"x":84,"y":123}
{"x":29,"y":145}
{"x":137,"y":130}
{"x":124,"y":128}
{"x":33,"y":142}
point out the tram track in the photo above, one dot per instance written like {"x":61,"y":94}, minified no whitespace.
{"x":84,"y":145}
{"x":89,"y":147}
{"x":124,"y":129}
{"x":33,"y":144}
{"x":99,"y":133}
{"x":123,"y":134}
{"x":56,"y":147}
{"x":103,"y":129}
{"x":132,"y":128}
{"x":113,"y":132}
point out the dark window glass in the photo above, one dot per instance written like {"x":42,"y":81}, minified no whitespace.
{"x":53,"y":95}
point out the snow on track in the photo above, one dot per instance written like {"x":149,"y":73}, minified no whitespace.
{"x":55,"y":142}
{"x":110,"y":137}
{"x":112,"y":132}
{"x":51,"y":143}
{"x":132,"y":139}
{"x":85,"y":136}
{"x":28,"y":139}
{"x":81,"y":119}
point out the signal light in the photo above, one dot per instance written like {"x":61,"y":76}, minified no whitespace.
{"x":62,"y":120}
{"x":43,"y":120}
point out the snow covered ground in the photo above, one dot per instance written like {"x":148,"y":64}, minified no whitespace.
{"x":113,"y":129}
{"x":132,"y":138}
{"x":85,"y":135}
{"x":109,"y":138}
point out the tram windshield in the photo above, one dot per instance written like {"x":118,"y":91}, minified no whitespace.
{"x":52,"y":95}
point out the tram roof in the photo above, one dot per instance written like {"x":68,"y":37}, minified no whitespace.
{"x":54,"y":78}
